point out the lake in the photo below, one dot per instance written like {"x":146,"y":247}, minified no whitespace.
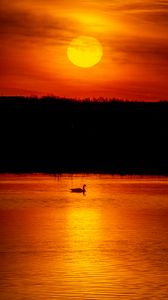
{"x":109,"y":243}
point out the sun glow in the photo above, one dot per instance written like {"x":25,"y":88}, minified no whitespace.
{"x":85,"y":51}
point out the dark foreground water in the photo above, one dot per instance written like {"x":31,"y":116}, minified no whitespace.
{"x":111,"y":243}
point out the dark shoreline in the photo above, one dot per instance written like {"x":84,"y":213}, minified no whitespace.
{"x":56,"y":136}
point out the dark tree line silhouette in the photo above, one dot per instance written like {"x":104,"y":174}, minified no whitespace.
{"x":64,"y":135}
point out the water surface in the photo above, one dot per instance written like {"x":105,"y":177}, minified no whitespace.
{"x":111,"y":243}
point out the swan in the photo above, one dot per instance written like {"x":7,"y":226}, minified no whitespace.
{"x":79,"y":190}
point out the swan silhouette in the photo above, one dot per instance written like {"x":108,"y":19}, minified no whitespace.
{"x":79,"y":190}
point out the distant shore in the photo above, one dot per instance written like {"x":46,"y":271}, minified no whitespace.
{"x":57,"y":135}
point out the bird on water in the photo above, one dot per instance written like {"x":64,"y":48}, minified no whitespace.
{"x":79,"y":190}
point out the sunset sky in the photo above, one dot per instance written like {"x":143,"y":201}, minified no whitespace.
{"x":35,"y":35}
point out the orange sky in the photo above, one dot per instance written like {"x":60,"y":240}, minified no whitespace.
{"x":35,"y":35}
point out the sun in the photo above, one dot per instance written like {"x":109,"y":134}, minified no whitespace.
{"x":85,"y":51}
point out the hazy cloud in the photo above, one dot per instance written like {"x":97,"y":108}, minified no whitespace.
{"x":142,"y":51}
{"x":26,"y":24}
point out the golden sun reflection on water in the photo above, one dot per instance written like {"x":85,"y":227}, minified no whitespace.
{"x":89,"y":264}
{"x":84,"y":235}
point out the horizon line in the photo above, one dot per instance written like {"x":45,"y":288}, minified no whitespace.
{"x":82,"y":99}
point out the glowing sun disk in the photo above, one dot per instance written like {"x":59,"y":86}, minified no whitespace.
{"x":85,"y":51}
